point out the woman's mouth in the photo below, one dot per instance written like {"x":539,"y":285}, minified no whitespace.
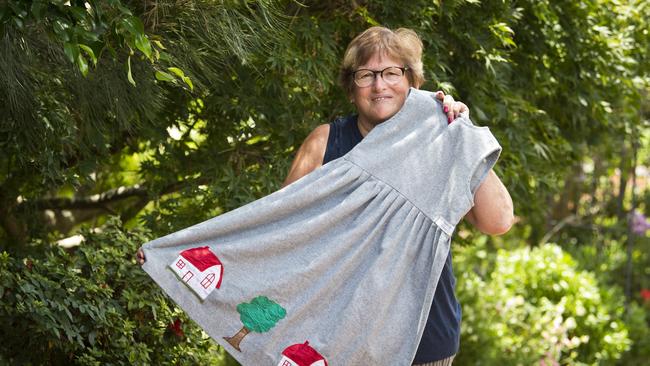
{"x":380,"y":98}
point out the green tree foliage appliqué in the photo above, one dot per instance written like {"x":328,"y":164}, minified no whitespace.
{"x":260,"y":315}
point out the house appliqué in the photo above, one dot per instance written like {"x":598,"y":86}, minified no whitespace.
{"x":301,"y":354}
{"x":200,"y":269}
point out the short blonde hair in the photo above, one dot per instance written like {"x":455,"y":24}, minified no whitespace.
{"x":401,"y":44}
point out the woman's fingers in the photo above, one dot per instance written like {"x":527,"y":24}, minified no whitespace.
{"x":460,"y":108}
{"x":447,"y":104}
{"x":139,"y":257}
{"x":450,"y":107}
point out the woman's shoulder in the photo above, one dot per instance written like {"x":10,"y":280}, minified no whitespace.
{"x":316,"y":141}
{"x":320,"y":132}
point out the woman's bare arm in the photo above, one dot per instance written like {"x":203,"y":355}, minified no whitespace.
{"x":493,"y":210}
{"x":310,"y":155}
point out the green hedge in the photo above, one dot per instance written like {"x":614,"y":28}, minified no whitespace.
{"x":94,"y":306}
{"x":534,"y":306}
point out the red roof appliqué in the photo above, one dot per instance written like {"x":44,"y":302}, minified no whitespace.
{"x":202,"y":258}
{"x":303,"y":354}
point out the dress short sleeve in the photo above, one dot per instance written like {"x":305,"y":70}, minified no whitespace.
{"x":472,"y":151}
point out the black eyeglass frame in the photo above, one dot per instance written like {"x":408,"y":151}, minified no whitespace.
{"x":380,"y":72}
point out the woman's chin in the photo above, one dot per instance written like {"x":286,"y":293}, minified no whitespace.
{"x":381,"y":117}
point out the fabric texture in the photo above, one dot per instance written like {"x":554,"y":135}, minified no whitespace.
{"x":346,"y":259}
{"x":441,"y":336}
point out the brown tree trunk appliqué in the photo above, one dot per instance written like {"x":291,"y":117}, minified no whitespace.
{"x":237,"y":338}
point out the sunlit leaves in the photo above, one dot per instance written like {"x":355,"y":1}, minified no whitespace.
{"x":531,"y":305}
{"x":128,"y":72}
{"x":92,"y":27}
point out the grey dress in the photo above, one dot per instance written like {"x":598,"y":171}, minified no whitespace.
{"x":347,"y":258}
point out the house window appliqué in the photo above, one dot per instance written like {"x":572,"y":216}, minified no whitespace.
{"x":207,"y":281}
{"x":180,"y":264}
{"x":188,"y":276}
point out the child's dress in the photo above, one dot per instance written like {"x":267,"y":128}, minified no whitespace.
{"x":340,"y":267}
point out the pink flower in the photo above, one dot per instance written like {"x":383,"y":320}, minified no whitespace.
{"x":639,"y":223}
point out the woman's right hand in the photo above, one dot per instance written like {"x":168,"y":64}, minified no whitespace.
{"x":453,"y":109}
{"x":139,"y":257}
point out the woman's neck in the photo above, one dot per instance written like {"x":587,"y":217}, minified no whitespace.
{"x":364,"y":126}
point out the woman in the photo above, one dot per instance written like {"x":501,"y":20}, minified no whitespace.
{"x":379,"y":67}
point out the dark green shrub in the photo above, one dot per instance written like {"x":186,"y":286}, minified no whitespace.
{"x":94,"y":306}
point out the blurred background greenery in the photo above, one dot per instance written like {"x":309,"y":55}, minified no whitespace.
{"x":122,"y":121}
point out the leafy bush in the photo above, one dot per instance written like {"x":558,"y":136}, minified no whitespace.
{"x":533,"y":306}
{"x":94,"y":306}
{"x":607,"y":259}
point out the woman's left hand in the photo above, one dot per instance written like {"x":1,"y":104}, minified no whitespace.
{"x":452,"y":108}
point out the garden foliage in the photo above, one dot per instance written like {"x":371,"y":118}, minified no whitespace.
{"x":93,"y":306}
{"x":166,"y":113}
{"x":536,"y":305}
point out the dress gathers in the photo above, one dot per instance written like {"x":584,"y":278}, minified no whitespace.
{"x":340,"y":267}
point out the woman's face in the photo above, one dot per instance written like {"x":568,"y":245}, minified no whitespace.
{"x":380,"y":101}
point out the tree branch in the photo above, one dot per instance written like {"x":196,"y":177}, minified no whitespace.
{"x":97,"y":201}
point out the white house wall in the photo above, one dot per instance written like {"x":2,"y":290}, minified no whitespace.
{"x":194,"y":282}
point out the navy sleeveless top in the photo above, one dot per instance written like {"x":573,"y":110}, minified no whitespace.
{"x":441,"y":336}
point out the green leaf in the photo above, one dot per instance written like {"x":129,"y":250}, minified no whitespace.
{"x":87,"y":35}
{"x":91,"y":337}
{"x":18,"y":10}
{"x":80,"y":14}
{"x":133,"y":25}
{"x":159,"y":45}
{"x":142,"y":43}
{"x":90,"y":53}
{"x":363,"y":12}
{"x":178,"y":72}
{"x":255,"y":139}
{"x":188,"y":81}
{"x":123,"y":8}
{"x":71,"y":51}
{"x":128,"y":74}
{"x":163,"y":76}
{"x":127,"y":26}
{"x":37,"y":9}
{"x":83,"y":65}
{"x":164,"y":56}
{"x":18,"y":21}
{"x":60,"y":29}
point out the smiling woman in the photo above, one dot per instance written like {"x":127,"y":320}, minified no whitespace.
{"x":382,"y":97}
{"x":396,"y":57}
{"x":379,"y":68}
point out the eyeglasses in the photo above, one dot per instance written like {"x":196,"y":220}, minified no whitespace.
{"x":391,"y":75}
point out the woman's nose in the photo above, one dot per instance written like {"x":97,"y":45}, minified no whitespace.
{"x":378,"y":82}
